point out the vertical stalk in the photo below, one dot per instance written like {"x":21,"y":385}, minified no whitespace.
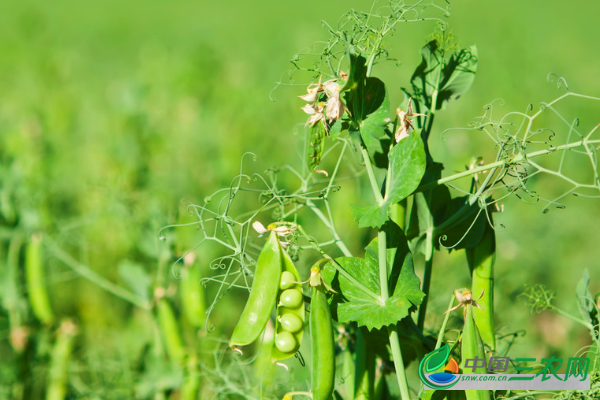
{"x":383,"y":279}
{"x":426,"y":278}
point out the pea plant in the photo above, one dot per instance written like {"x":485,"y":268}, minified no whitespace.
{"x":367,"y":311}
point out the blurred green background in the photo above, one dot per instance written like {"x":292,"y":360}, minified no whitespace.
{"x":114,"y":115}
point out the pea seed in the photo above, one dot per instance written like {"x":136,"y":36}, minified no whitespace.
{"x":291,"y":298}
{"x":287,"y":280}
{"x":285,"y":342}
{"x":291,"y":322}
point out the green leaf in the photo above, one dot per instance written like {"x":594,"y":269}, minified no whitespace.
{"x":407,"y":165}
{"x":352,"y":303}
{"x":358,"y":71}
{"x":585,"y":298}
{"x":446,"y":78}
{"x":370,"y":216}
{"x":136,"y":277}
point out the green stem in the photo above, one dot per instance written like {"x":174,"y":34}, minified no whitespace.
{"x":398,"y":362}
{"x":85,"y":272}
{"x":383,"y":280}
{"x":372,"y":179}
{"x":338,"y":240}
{"x":443,"y":328}
{"x":383,"y":273}
{"x":571,"y":317}
{"x":426,"y":278}
{"x":501,"y":163}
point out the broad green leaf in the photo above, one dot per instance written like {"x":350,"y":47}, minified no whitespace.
{"x":467,"y":230}
{"x":407,"y":165}
{"x":458,"y":75}
{"x":374,"y":112}
{"x":136,"y":277}
{"x":354,"y":304}
{"x":585,"y":299}
{"x":370,"y":216}
{"x":357,"y":73}
{"x":443,"y":76}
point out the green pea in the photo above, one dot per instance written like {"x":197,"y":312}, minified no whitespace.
{"x":287,"y":280}
{"x":291,"y":298}
{"x":285,"y":342}
{"x":481,"y":262}
{"x":323,"y":346}
{"x":291,"y":322}
{"x":263,"y":295}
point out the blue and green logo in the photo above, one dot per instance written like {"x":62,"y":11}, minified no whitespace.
{"x":434,"y":361}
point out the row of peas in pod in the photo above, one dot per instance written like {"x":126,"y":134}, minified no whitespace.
{"x":277,"y":284}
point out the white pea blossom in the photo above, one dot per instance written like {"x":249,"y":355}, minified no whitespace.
{"x":404,"y":123}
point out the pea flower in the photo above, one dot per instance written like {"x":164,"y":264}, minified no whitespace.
{"x":315,"y":112}
{"x":404,"y":122}
{"x":332,"y":110}
{"x":313,"y":91}
{"x":335,"y":105}
{"x":465,"y":298}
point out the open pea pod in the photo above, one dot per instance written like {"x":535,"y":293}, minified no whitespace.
{"x":481,"y":263}
{"x":289,"y":325}
{"x":263,"y":295}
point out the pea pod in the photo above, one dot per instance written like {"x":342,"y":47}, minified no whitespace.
{"x":170,"y":332}
{"x":315,"y":146}
{"x":59,"y":362}
{"x":471,"y":348}
{"x":263,"y":295}
{"x":191,"y":385}
{"x":481,"y":263}
{"x":323,"y":348}
{"x":290,"y":312}
{"x":192,"y":297}
{"x":36,"y":285}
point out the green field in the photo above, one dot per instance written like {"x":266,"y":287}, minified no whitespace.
{"x":115,"y":116}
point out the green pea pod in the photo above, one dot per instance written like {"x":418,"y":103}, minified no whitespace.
{"x":35,"y":277}
{"x":58,"y":374}
{"x":290,"y":316}
{"x":315,"y":146}
{"x":348,"y":371}
{"x":263,"y":295}
{"x":323,"y":347}
{"x":471,"y":348}
{"x":170,"y":332}
{"x":481,"y":263}
{"x":365,"y":369}
{"x":191,"y":385}
{"x":192,"y":297}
